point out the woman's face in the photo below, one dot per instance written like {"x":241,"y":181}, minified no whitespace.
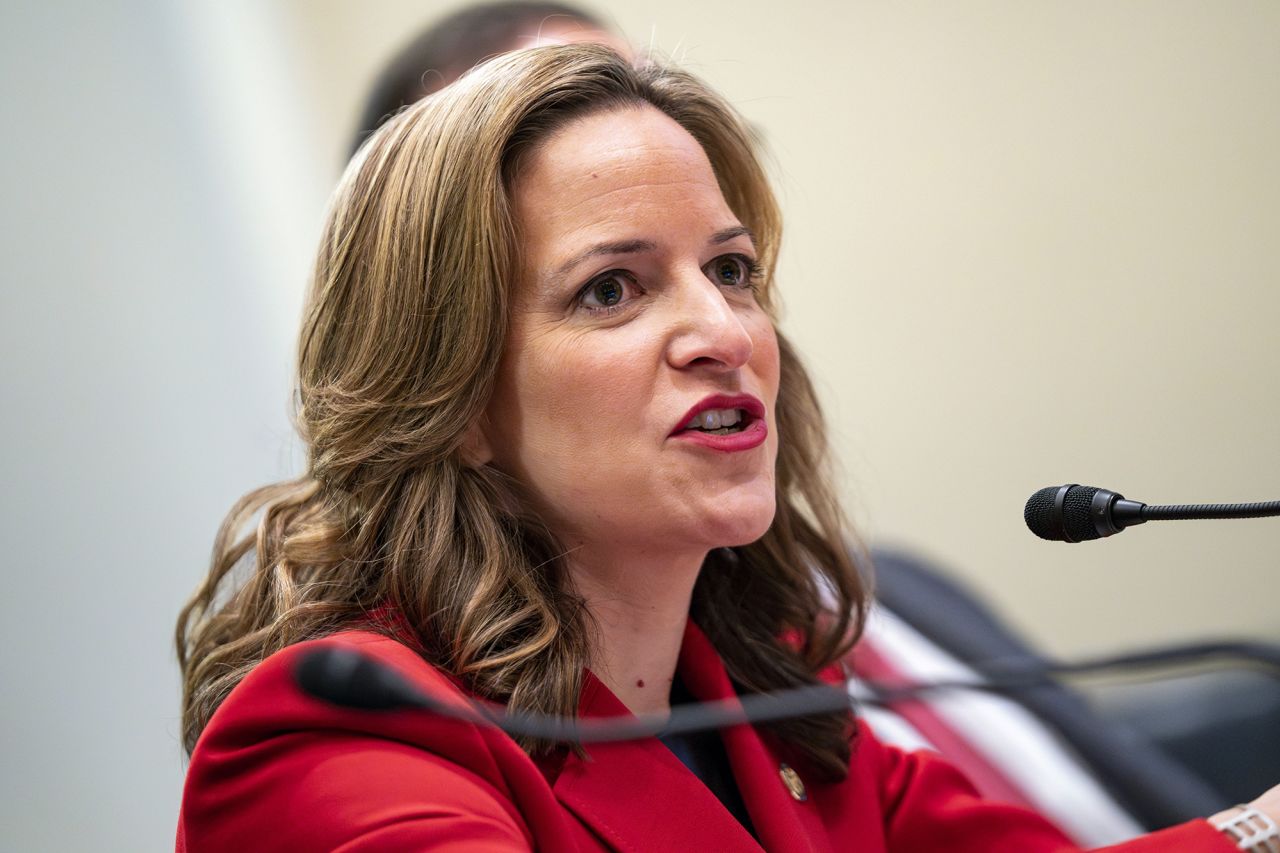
{"x":636,"y":395}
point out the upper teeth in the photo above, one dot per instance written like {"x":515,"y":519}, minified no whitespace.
{"x":714,"y":419}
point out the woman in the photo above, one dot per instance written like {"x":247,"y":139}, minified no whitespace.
{"x":559,"y":458}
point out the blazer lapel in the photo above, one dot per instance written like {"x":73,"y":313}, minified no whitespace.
{"x":636,"y":795}
{"x":783,"y":822}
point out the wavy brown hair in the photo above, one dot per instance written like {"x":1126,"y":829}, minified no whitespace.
{"x":398,"y":353}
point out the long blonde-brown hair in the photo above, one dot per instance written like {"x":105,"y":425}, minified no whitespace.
{"x":399,"y":348}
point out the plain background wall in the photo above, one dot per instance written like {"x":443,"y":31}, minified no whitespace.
{"x":1028,"y":243}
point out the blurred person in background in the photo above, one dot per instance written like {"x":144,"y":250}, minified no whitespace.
{"x":450,"y":47}
{"x":561,"y":458}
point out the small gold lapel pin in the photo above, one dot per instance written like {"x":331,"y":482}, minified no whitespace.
{"x":791,"y":779}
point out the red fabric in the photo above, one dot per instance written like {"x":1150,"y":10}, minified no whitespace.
{"x":275,"y":769}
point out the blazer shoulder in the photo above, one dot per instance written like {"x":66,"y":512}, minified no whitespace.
{"x":268,"y":702}
{"x":386,"y":650}
{"x":271,"y":750}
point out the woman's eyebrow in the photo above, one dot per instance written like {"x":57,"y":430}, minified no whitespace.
{"x":623,"y":247}
{"x":727,"y":234}
{"x":631,"y":247}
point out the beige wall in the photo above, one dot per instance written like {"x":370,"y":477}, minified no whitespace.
{"x":967,"y":186}
{"x":1028,"y":243}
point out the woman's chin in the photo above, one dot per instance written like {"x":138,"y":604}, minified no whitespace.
{"x":744,"y":524}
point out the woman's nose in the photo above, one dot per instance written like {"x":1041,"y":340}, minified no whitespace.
{"x":708,"y":328}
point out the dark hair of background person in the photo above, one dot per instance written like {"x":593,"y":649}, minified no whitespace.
{"x":452,"y":46}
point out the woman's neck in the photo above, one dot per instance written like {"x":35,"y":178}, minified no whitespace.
{"x":640,"y":606}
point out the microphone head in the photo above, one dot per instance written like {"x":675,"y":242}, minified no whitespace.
{"x":350,"y":679}
{"x":1061,"y":513}
{"x":1039,"y":514}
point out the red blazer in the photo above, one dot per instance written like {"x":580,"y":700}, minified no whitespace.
{"x":277,"y":770}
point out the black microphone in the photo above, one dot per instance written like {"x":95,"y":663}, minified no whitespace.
{"x":1074,"y":513}
{"x":350,"y":679}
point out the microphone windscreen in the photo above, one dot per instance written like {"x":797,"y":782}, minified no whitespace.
{"x":1074,"y":524}
{"x":1040,"y":516}
{"x":348,"y":678}
{"x":1076,"y":520}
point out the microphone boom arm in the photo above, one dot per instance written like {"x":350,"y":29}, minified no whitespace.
{"x":351,"y":679}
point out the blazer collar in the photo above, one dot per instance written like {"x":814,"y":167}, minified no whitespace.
{"x":636,"y":795}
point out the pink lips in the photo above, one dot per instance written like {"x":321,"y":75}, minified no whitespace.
{"x":753,"y":433}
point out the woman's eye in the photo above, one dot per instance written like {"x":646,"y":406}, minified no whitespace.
{"x":607,"y":291}
{"x":733,"y":271}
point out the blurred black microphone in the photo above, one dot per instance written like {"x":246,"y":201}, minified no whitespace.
{"x":350,"y":679}
{"x":1074,"y":513}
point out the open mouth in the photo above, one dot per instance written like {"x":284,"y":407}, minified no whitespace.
{"x":718,"y":421}
{"x":725,"y":423}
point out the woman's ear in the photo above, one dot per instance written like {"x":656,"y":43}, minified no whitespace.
{"x":475,"y":449}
